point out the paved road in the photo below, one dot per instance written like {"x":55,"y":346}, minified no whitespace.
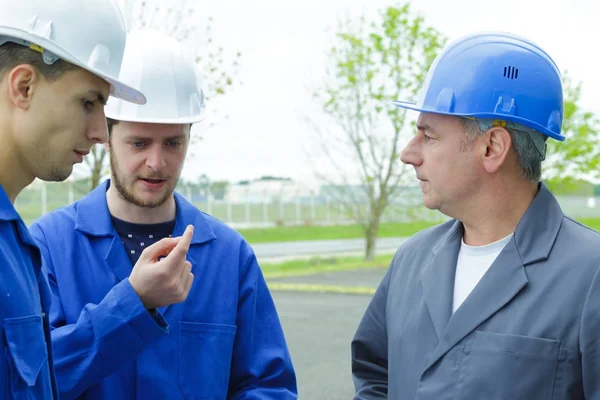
{"x":367,"y":277}
{"x":319,"y":328}
{"x":282,"y":250}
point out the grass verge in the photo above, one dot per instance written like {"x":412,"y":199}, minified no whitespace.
{"x":317,"y":265}
{"x":317,"y":232}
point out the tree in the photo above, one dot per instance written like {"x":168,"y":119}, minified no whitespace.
{"x":179,"y":19}
{"x":218,"y":189}
{"x":578,"y":156}
{"x":371,"y":64}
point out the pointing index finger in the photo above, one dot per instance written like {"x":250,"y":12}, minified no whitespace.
{"x":183,"y":245}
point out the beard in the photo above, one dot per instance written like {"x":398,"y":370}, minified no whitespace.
{"x":127,"y":194}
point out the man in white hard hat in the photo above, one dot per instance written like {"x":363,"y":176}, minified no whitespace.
{"x":123,"y":331}
{"x":59,"y":62}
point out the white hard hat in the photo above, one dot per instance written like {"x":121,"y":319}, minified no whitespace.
{"x":167,"y":74}
{"x":88,"y":33}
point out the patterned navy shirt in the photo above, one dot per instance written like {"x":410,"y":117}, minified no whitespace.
{"x":136,"y":237}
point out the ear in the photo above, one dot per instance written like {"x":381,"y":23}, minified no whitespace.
{"x":107,"y":145}
{"x":22,"y":84}
{"x":497,"y":145}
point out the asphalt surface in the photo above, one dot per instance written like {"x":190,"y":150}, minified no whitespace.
{"x":306,"y":248}
{"x":367,"y":277}
{"x":319,"y":328}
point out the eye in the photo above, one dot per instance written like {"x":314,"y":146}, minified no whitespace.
{"x":138,"y":144}
{"x":87,"y":104}
{"x":174,"y":143}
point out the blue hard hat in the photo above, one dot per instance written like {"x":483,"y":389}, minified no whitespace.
{"x":495,"y":75}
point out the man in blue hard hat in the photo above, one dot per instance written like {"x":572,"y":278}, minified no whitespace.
{"x":503,"y":300}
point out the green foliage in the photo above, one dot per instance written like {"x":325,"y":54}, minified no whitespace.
{"x":371,"y":64}
{"x":179,"y":19}
{"x":578,"y":156}
{"x":570,"y":186}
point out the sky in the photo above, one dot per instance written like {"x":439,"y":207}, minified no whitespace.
{"x":284,"y":57}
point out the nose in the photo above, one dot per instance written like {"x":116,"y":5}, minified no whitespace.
{"x":97,"y":129}
{"x":411,"y":154}
{"x":155,"y":159}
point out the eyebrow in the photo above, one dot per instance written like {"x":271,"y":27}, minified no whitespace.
{"x":425,"y":128}
{"x":151,"y":137}
{"x":99,"y":95}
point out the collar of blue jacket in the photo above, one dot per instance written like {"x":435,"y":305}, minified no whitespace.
{"x":93,"y":217}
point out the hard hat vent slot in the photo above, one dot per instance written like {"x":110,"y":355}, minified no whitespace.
{"x":511,"y":72}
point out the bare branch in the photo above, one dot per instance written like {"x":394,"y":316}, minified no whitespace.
{"x":371,"y":64}
{"x":181,"y":20}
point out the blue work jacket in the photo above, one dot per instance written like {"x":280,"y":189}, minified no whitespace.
{"x":224,"y":342}
{"x":26,"y":361}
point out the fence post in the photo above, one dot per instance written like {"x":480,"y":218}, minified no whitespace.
{"x":71,"y":194}
{"x":265,"y":210}
{"x":44,"y":198}
{"x":247,"y":210}
{"x":281,"y":210}
{"x":209,"y":203}
{"x":229,"y":213}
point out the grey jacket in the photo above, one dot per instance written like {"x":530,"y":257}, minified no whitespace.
{"x":529,"y":330}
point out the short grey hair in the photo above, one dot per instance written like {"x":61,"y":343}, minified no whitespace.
{"x":523,"y":139}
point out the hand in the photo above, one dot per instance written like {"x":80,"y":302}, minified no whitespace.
{"x":162,"y":276}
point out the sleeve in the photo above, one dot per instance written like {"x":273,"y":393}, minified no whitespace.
{"x":590,"y":341}
{"x":104,"y":337}
{"x":262,"y":366}
{"x":370,"y":349}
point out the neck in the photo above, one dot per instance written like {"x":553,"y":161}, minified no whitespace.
{"x":129,"y":212}
{"x":14,"y":176}
{"x":496,"y":211}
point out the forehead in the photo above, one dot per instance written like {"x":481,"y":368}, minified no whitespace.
{"x":439,"y":123}
{"x":83,"y":81}
{"x":150,"y":130}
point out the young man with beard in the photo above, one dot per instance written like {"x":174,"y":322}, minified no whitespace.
{"x":56,"y":72}
{"x":126,"y":333}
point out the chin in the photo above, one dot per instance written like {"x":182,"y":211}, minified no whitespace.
{"x":431,"y":204}
{"x":430,"y":207}
{"x":153,"y":201}
{"x":56,"y":175}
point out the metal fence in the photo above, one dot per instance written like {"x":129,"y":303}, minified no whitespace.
{"x":41,"y":198}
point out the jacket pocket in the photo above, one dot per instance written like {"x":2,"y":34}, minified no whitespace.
{"x":502,"y":367}
{"x":27,"y":356}
{"x":205,"y":354}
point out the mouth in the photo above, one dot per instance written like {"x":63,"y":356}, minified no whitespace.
{"x":80,"y":154}
{"x":153,"y":183}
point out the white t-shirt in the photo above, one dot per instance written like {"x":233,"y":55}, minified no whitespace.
{"x":473,"y":262}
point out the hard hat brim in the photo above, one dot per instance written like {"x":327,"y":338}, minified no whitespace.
{"x":123,"y":91}
{"x":112,"y":113}
{"x":541,"y":129}
{"x":117,"y":88}
{"x":174,"y":121}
